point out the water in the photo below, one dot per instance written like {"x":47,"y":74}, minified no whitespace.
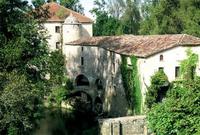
{"x":63,"y":122}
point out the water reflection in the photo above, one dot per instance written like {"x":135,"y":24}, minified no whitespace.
{"x":63,"y":122}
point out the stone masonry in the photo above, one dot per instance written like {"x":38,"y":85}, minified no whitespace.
{"x":130,"y":125}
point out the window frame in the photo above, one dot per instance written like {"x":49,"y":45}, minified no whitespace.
{"x":57,"y":29}
{"x":161,"y":57}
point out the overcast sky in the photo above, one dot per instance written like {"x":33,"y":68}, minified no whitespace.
{"x":87,"y":4}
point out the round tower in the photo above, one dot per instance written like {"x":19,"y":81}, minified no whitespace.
{"x":71,"y":29}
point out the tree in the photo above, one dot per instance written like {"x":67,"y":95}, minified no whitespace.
{"x":105,"y":24}
{"x":116,"y":17}
{"x":23,"y":65}
{"x":171,"y":17}
{"x":131,"y":18}
{"x":38,"y":3}
{"x":72,"y":4}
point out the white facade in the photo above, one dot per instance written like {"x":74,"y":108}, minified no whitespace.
{"x":171,"y":59}
{"x":60,"y":33}
{"x":98,"y":63}
{"x":53,"y":36}
{"x":102,"y":64}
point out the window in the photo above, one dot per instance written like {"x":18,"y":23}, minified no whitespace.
{"x":161,"y":57}
{"x":113,"y":67}
{"x":58,"y":45}
{"x":161,"y":68}
{"x":177,"y":72}
{"x":57,"y":29}
{"x":82,"y":61}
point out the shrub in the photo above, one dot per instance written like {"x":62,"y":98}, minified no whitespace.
{"x":179,"y":113}
{"x":157,"y":90}
{"x":57,"y":95}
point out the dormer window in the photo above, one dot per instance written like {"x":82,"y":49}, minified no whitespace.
{"x":161,"y":57}
{"x":57,"y":29}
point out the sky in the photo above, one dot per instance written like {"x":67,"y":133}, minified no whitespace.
{"x":87,"y":5}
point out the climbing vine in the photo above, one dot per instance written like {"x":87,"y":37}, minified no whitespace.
{"x":188,"y":65}
{"x":131,"y":84}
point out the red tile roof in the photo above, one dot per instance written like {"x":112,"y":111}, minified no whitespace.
{"x":58,"y":13}
{"x":140,"y":46}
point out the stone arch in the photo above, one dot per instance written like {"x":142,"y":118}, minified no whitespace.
{"x":99,"y":84}
{"x":82,"y":80}
{"x":98,"y":106}
{"x":80,"y":100}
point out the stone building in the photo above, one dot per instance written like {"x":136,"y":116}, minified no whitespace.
{"x":94,"y":63}
{"x":64,"y":25}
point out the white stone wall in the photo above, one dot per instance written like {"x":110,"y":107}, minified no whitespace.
{"x":87,"y":30}
{"x":171,"y":58}
{"x":71,"y":32}
{"x":53,"y":37}
{"x":68,"y":33}
{"x":98,"y":64}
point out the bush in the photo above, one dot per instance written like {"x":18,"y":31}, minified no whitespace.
{"x":179,"y":113}
{"x":157,"y":90}
{"x":57,"y":95}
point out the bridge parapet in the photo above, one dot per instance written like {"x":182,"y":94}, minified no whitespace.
{"x":130,"y":125}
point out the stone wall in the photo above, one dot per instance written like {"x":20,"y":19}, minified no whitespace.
{"x":98,"y":64}
{"x":130,"y":125}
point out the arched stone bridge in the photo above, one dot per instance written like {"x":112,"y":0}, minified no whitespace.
{"x":92,"y":95}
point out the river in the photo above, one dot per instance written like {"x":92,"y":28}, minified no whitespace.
{"x":62,"y":122}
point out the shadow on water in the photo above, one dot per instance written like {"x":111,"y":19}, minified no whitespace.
{"x":62,"y":122}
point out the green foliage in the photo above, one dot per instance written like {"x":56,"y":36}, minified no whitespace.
{"x":72,"y":4}
{"x":159,"y":85}
{"x":19,"y":104}
{"x":116,"y":18}
{"x":131,"y":84}
{"x":24,"y":61}
{"x":171,"y":16}
{"x":57,"y":95}
{"x":189,"y":65}
{"x":38,"y":3}
{"x":69,"y":84}
{"x":179,"y":113}
{"x":105,"y":24}
{"x":56,"y":68}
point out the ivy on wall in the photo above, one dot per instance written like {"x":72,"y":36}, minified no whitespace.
{"x":131,"y":83}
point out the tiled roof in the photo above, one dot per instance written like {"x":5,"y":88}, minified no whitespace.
{"x":140,"y":46}
{"x":58,"y":13}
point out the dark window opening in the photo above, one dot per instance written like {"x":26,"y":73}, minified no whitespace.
{"x":81,"y":80}
{"x":99,"y":84}
{"x":161,"y":68}
{"x":58,"y":45}
{"x":82,"y":61}
{"x":113,"y":67}
{"x":57,"y":29}
{"x":177,"y":72}
{"x":161,"y":57}
{"x":98,"y":106}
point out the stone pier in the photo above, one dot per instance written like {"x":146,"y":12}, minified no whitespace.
{"x":130,"y":125}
